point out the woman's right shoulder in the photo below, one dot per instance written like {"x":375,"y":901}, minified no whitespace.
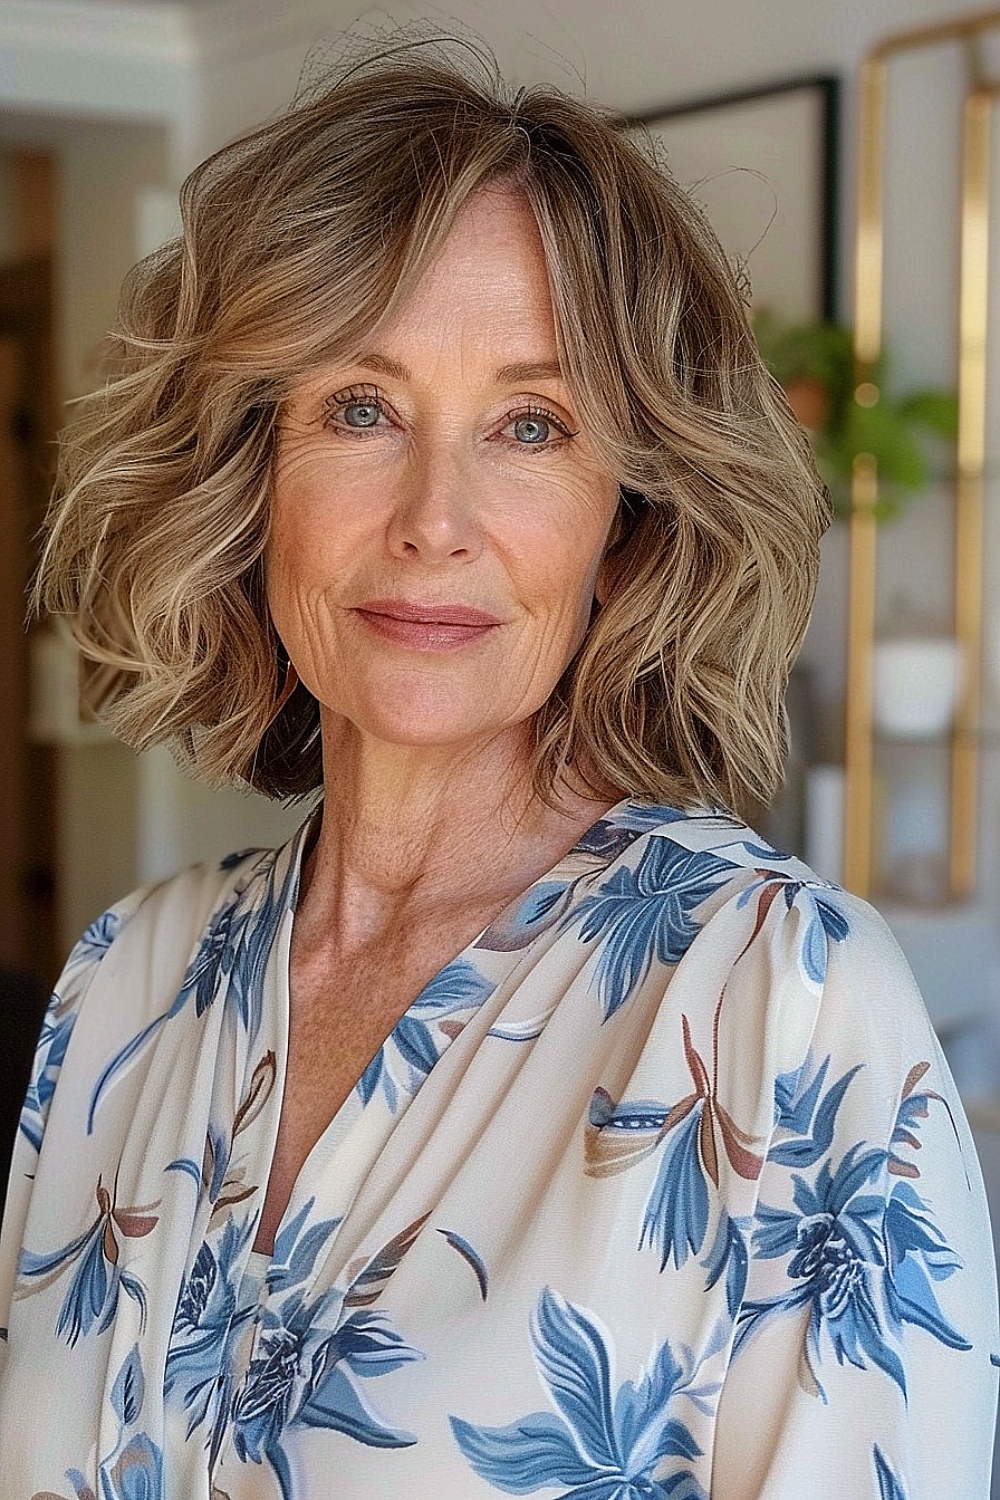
{"x":153,"y":930}
{"x":125,"y":971}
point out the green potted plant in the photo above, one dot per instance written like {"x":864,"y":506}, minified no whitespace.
{"x":906,"y":434}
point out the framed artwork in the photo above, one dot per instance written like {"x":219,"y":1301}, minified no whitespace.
{"x":764,"y":164}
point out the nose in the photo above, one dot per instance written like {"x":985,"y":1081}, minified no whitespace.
{"x":435,"y":517}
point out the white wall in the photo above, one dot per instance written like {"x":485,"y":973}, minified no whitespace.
{"x":202,"y":74}
{"x":103,"y":170}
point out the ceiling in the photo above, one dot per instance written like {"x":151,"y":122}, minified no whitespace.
{"x":155,"y":4}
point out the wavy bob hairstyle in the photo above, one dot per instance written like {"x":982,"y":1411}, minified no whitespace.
{"x":298,"y":240}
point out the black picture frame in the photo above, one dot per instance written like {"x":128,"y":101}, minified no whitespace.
{"x":731,"y":131}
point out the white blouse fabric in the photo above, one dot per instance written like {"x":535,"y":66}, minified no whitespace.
{"x":660,"y":1190}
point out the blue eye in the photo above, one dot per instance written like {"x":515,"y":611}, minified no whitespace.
{"x":531,"y":429}
{"x":360,"y":408}
{"x":362,"y":413}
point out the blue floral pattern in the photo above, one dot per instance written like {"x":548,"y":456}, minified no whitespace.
{"x":647,"y":915}
{"x":825,"y":922}
{"x":231,"y":957}
{"x":57,"y":1028}
{"x":209,"y":1323}
{"x":420,"y":1036}
{"x":134,"y":1469}
{"x":311,"y":1355}
{"x":100,"y":1276}
{"x":889,"y":1487}
{"x":860,"y":1260}
{"x":597,"y":1443}
{"x":221,"y":1175}
{"x":655,"y":1089}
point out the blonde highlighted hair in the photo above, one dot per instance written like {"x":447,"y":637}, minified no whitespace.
{"x":297,"y":241}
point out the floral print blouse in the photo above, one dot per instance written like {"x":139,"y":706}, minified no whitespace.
{"x":659,"y":1190}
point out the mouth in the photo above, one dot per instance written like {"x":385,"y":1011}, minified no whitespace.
{"x":427,"y":614}
{"x":426,"y":627}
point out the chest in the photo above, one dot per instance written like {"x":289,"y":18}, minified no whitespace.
{"x":341,"y":1011}
{"x":338,"y":1020}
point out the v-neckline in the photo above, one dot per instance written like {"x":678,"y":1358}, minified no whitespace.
{"x":277,"y":984}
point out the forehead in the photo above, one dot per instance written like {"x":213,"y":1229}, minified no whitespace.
{"x":480,"y":306}
{"x":490,"y":268}
{"x":480,"y":303}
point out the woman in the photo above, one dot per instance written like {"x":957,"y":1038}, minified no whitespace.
{"x":524,"y":1125}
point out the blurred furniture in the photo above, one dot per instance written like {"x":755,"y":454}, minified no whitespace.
{"x":957,"y":877}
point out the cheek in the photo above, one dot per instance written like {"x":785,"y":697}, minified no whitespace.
{"x":309,"y":509}
{"x":303,"y":615}
{"x":277,"y":580}
{"x":566,"y":553}
{"x":307,"y":545}
{"x":298,"y":572}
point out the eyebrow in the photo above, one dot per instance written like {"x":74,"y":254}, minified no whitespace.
{"x":545,"y":369}
{"x":515,"y":374}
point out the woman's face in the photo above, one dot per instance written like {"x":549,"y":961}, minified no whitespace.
{"x":439,"y":513}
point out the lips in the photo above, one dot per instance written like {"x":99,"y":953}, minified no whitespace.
{"x":411,"y":625}
{"x":428,"y":614}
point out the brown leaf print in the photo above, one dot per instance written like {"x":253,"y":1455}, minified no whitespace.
{"x":706,"y":1144}
{"x":913,"y":1077}
{"x":370,"y":1283}
{"x":134,"y":1222}
{"x":694,"y":1062}
{"x":262,"y":1081}
{"x":743,"y":1161}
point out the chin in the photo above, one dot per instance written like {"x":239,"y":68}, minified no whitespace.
{"x":422,"y":725}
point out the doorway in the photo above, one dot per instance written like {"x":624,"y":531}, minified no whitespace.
{"x":28,"y":927}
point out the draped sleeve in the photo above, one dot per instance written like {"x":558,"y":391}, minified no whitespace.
{"x":50,"y":1054}
{"x":146,"y":972}
{"x":865,"y":1349}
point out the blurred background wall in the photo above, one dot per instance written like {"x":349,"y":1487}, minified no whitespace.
{"x":117,"y":101}
{"x":104,"y":106}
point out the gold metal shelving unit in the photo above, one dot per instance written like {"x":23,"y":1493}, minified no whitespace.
{"x":972,"y":353}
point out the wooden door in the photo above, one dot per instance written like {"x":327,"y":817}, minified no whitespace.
{"x":28,"y":937}
{"x":14,"y":918}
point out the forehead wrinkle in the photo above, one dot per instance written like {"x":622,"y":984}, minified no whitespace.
{"x":512,"y":374}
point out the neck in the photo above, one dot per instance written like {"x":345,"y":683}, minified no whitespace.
{"x":407,"y":830}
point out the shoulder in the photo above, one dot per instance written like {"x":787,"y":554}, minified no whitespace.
{"x":121,"y":974}
{"x":797,"y":951}
{"x":713,"y":864}
{"x":138,"y":951}
{"x":745,"y":869}
{"x":173,"y":909}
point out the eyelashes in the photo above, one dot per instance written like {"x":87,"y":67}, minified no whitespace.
{"x":375,"y":412}
{"x":533,"y":413}
{"x":360,"y":397}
